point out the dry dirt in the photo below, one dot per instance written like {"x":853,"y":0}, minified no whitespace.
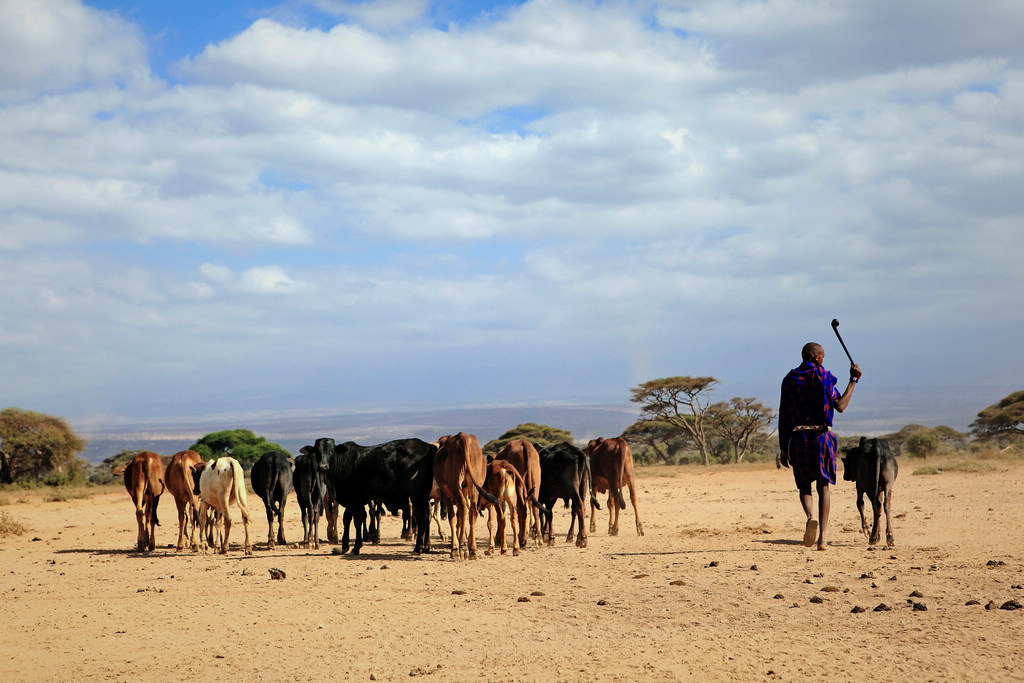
{"x":719,"y":588}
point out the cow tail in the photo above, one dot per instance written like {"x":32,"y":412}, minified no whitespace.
{"x":590,"y":483}
{"x":878,"y":473}
{"x":619,"y":498}
{"x":488,"y":497}
{"x":239,"y":478}
{"x":275,"y":508}
{"x":521,"y":485}
{"x":152,"y":486}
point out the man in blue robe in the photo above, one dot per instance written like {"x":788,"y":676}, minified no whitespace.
{"x":806,"y":441}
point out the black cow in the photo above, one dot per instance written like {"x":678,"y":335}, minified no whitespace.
{"x":565,"y":474}
{"x":391,"y":474}
{"x":272,"y":482}
{"x":310,"y":479}
{"x":872,"y":466}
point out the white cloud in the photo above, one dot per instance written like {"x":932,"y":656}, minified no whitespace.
{"x":259,"y":280}
{"x":269,"y":280}
{"x":53,"y":45}
{"x":556,"y":172}
{"x":382,"y":15}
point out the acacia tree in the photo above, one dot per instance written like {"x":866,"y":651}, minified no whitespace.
{"x":661,"y":437}
{"x":742,"y":423}
{"x":680,"y":401}
{"x":539,"y":435}
{"x":240,"y":444}
{"x":38,"y":446}
{"x":1003,"y":420}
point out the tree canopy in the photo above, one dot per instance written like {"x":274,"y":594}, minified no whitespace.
{"x":680,"y":401}
{"x":742,"y":423}
{"x":663,"y":439}
{"x":38,"y":447}
{"x":540,"y":435}
{"x":240,"y":444}
{"x":1002,"y":420}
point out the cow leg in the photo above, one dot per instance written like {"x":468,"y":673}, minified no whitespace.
{"x":406,"y":522}
{"x":270,"y":523}
{"x":577,"y":511}
{"x":502,"y":528}
{"x":181,"y":525}
{"x":876,"y":509}
{"x":194,"y":519}
{"x":459,"y":539}
{"x":280,"y":522}
{"x":890,"y":540}
{"x":153,"y":522}
{"x":490,"y":530}
{"x":453,"y":529}
{"x":315,"y":526}
{"x":227,"y":528}
{"x":346,"y":519}
{"x":331,"y":513}
{"x":203,"y":516}
{"x":860,"y":509}
{"x":472,"y":513}
{"x":613,"y":513}
{"x":636,"y":512}
{"x":245,"y":526}
{"x":593,"y":518}
{"x":358,"y":523}
{"x":513,"y":514}
{"x":547,"y":522}
{"x":436,"y":514}
{"x":572,"y":526}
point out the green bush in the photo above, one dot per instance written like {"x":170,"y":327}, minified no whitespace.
{"x":922,"y":444}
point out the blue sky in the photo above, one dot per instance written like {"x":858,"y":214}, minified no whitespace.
{"x":255,"y":207}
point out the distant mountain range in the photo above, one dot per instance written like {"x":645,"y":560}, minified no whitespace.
{"x":295,"y":430}
{"x":871,"y":414}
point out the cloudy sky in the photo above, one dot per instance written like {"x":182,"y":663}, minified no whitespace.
{"x":249,"y":207}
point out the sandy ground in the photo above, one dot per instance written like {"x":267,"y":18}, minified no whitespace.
{"x":719,"y":588}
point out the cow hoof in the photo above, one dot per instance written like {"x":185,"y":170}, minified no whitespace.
{"x":248,"y":550}
{"x":639,"y":530}
{"x":582,"y":543}
{"x":613,"y":532}
{"x":593,"y":528}
{"x":515,"y":552}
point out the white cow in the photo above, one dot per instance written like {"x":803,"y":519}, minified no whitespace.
{"x":221,"y":485}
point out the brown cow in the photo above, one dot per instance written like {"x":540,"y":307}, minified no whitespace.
{"x":505,"y":483}
{"x":181,"y":485}
{"x":144,"y":479}
{"x":611,"y":466}
{"x":523,"y":456}
{"x":458,"y":467}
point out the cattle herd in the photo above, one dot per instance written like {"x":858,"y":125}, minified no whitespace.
{"x":419,"y":480}
{"x":422,"y":481}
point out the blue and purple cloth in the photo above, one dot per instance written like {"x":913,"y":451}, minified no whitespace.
{"x":805,"y":424}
